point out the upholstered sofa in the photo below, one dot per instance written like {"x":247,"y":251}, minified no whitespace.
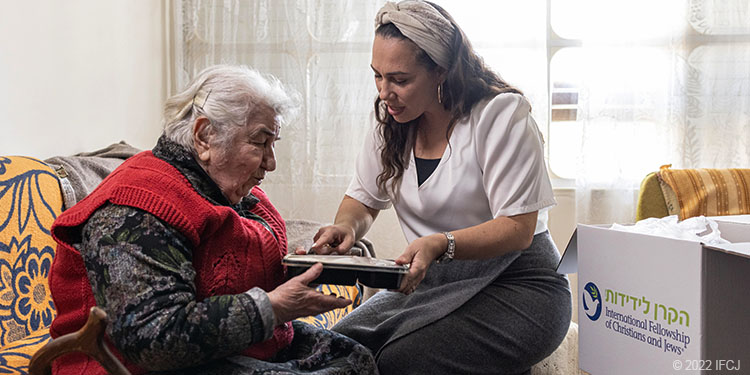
{"x":31,"y":198}
{"x":694,"y":192}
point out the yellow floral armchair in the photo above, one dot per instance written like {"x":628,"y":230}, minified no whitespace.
{"x":30,"y":200}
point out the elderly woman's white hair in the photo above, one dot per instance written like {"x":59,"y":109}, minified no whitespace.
{"x":228,"y":96}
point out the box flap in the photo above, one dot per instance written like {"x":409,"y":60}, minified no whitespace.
{"x":734,"y":228}
{"x":727,"y":304}
{"x":745,"y":219}
{"x":569,"y":261}
{"x":741,"y":248}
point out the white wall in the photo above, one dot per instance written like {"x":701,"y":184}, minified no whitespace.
{"x":78,"y":75}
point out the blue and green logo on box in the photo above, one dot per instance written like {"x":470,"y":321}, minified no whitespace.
{"x":592,"y":301}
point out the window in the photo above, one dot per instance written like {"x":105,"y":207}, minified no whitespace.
{"x":639,"y":83}
{"x":617,"y":87}
{"x":621,"y":87}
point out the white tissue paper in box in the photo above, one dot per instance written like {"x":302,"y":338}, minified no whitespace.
{"x":699,"y":228}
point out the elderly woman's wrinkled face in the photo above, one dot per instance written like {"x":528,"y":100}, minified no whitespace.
{"x":407,"y":87}
{"x":242,"y":163}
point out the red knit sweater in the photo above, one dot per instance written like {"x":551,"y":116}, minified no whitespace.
{"x":231,"y":254}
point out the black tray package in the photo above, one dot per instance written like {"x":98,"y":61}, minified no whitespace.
{"x":347,"y":269}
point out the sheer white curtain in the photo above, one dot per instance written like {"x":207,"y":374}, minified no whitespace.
{"x":656,"y":83}
{"x":618,"y":87}
{"x":323,"y":49}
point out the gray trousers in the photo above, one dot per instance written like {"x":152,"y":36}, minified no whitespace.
{"x":514,"y":321}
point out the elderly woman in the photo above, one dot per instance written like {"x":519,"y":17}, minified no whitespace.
{"x":183,"y":249}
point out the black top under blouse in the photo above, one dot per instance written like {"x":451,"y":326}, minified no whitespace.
{"x":425,"y":167}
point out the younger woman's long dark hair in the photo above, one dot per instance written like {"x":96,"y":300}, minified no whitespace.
{"x":467,"y":82}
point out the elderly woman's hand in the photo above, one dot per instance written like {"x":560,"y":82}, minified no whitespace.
{"x":294,"y":298}
{"x":420,"y":253}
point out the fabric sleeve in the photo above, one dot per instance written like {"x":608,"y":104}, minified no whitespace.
{"x":364,"y":187}
{"x":510,"y":153}
{"x":141,"y":272}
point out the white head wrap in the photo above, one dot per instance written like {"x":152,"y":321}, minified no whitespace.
{"x":423,"y":25}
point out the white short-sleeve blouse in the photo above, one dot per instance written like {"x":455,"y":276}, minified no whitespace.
{"x":493,"y":166}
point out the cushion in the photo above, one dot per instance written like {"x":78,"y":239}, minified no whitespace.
{"x":707,"y":192}
{"x":328,"y":319}
{"x":30,"y":200}
{"x":15,"y":357}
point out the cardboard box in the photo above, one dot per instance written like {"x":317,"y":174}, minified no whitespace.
{"x":656,"y":305}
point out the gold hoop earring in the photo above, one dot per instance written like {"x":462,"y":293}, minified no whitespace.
{"x":440,"y":93}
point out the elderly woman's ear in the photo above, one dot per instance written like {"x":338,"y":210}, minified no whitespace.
{"x":202,"y":134}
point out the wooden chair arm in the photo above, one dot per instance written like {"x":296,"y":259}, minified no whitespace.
{"x":88,"y":340}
